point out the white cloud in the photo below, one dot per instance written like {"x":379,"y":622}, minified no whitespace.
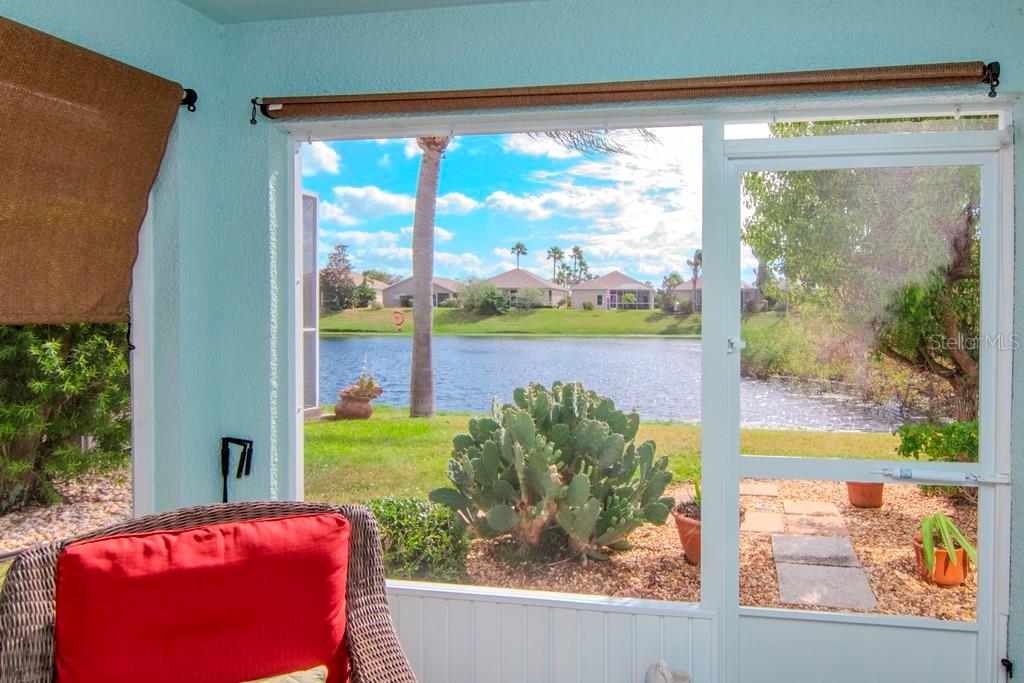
{"x":361,"y":238}
{"x":521,"y":143}
{"x":354,"y":204}
{"x":456,"y":202}
{"x":320,"y":157}
{"x":530,"y":207}
{"x":385,"y":161}
{"x":440,"y":234}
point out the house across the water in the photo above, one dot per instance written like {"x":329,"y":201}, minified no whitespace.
{"x":511,"y":283}
{"x":610,"y":292}
{"x":399,"y":295}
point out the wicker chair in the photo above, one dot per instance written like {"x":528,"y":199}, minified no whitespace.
{"x":27,"y":600}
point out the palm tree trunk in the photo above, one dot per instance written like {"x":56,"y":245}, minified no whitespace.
{"x":421,"y":390}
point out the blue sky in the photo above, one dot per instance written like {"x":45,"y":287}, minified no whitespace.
{"x":638,"y":213}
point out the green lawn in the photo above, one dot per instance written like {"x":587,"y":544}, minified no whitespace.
{"x":541,"y":321}
{"x":392,"y":454}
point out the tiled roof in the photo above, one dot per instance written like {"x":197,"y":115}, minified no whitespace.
{"x":612,"y":280}
{"x":517,"y":278}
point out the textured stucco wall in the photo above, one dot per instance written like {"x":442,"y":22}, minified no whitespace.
{"x":221,"y":203}
{"x":175,"y":42}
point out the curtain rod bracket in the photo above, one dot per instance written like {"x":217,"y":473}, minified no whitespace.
{"x":263,"y":109}
{"x":991,"y":77}
{"x":189,"y":97}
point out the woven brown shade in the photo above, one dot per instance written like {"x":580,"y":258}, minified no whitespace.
{"x":81,"y":140}
{"x":751,"y":85}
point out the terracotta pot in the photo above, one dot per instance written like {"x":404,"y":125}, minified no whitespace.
{"x":945,"y":572}
{"x":863,"y":495}
{"x":689,"y":536}
{"x":353,"y":408}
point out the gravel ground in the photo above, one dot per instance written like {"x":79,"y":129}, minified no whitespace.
{"x":90,"y":502}
{"x":654,"y":568}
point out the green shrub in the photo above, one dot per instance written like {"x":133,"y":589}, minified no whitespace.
{"x":58,"y":384}
{"x":479,"y":296}
{"x":953,"y":442}
{"x":450,"y":302}
{"x":561,"y":460}
{"x":420,"y":540}
{"x":588,"y":305}
{"x":685,"y":307}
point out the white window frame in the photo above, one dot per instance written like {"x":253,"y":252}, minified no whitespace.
{"x":719,"y":583}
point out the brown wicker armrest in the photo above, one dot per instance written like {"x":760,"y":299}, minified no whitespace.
{"x":27,"y":599}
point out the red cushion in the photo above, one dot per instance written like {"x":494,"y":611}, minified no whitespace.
{"x":220,"y":604}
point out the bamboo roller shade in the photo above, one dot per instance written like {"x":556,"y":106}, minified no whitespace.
{"x":81,"y":140}
{"x":750,"y":85}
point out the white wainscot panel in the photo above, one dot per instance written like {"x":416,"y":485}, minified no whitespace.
{"x":851,"y":649}
{"x":464,"y":634}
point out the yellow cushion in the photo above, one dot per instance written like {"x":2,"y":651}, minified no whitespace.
{"x":317,"y":674}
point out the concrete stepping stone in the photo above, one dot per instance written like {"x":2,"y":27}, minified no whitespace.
{"x":816,"y":525}
{"x":815,"y":586}
{"x":809,"y":507}
{"x":829,"y":551}
{"x":758,"y":488}
{"x":763,"y":522}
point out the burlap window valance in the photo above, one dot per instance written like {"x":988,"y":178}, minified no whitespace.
{"x":752,"y":85}
{"x":81,"y":140}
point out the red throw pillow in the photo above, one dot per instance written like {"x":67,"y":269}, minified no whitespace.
{"x":216,"y":604}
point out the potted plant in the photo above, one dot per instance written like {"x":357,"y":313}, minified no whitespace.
{"x":687,"y":517}
{"x":354,"y":400}
{"x":948,"y":563}
{"x":865,"y":494}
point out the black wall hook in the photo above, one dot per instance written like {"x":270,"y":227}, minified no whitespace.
{"x":244,"y":460}
{"x":189,"y":98}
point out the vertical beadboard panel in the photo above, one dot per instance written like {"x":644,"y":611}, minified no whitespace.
{"x":410,"y":631}
{"x":487,"y":630}
{"x":647,"y":633}
{"x":453,"y":636}
{"x":593,"y":653}
{"x":538,"y":644}
{"x":512,"y":619}
{"x":620,"y":656}
{"x":565,"y":644}
{"x":462,"y":641}
{"x":436,"y":634}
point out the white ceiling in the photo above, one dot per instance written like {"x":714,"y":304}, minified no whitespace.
{"x":237,"y":11}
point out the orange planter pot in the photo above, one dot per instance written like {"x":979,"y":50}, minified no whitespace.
{"x":351,"y":408}
{"x":945,"y":572}
{"x":864,"y":495}
{"x":689,"y":536}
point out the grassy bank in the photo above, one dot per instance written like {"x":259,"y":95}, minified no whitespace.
{"x":542,"y":321}
{"x":393,"y":454}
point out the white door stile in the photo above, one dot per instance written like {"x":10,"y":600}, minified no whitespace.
{"x":990,"y":151}
{"x":720,"y":401}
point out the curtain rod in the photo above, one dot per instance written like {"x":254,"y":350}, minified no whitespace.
{"x":705,"y":87}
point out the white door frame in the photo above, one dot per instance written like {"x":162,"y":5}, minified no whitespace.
{"x":722,"y":466}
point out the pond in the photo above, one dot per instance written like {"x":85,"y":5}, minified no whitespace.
{"x":659,"y":377}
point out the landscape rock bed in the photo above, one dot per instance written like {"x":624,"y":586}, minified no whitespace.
{"x":654,"y":568}
{"x":90,"y":502}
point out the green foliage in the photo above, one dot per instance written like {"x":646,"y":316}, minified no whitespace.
{"x":59,"y":384}
{"x":420,"y":540}
{"x":380,"y":276}
{"x":481,"y":297}
{"x":364,"y":295}
{"x":529,"y":297}
{"x":629,"y":298}
{"x":954,"y":442}
{"x":588,"y":305}
{"x":562,"y":459}
{"x":942,"y":527}
{"x":337,"y":288}
{"x":450,"y":302}
{"x":667,"y":292}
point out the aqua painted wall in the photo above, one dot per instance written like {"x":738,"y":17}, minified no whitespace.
{"x":221,"y":202}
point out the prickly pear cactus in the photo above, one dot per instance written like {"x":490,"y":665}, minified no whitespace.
{"x":563,"y":458}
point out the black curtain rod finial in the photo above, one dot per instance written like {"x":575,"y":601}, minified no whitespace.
{"x":991,"y":77}
{"x":189,"y":98}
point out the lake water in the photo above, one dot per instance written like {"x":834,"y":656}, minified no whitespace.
{"x":659,"y":377}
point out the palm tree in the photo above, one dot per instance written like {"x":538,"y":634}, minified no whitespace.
{"x":421,"y":399}
{"x":577,"y":256}
{"x":421,"y":390}
{"x":696,"y":263}
{"x":519,"y":249}
{"x":555,"y":255}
